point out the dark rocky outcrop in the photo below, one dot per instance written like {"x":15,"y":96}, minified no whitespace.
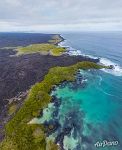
{"x":18,"y":74}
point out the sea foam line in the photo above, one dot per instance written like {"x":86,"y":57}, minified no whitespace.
{"x":116,"y":71}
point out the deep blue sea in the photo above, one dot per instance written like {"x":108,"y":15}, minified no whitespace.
{"x":106,"y":45}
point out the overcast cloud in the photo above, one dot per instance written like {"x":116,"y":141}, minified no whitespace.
{"x":42,"y":15}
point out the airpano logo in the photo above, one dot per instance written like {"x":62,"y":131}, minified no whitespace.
{"x":105,"y":143}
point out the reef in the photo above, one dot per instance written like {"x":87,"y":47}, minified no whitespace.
{"x":20,"y":134}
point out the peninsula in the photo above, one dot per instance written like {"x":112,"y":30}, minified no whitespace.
{"x":32,"y":71}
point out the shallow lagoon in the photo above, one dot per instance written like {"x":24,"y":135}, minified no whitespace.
{"x":89,"y":110}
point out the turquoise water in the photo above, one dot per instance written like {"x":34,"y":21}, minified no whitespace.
{"x":96,"y":107}
{"x":102,"y":98}
{"x":89,"y":109}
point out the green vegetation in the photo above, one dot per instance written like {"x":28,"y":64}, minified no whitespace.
{"x":12,"y":109}
{"x":20,"y":135}
{"x":58,"y":51}
{"x":44,"y":48}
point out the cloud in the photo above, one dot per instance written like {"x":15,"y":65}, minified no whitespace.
{"x":49,"y":13}
{"x":85,"y":26}
{"x":13,"y":3}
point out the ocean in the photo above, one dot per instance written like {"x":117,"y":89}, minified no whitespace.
{"x":90,"y":109}
{"x":104,"y":45}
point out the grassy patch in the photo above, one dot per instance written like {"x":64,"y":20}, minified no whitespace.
{"x":12,"y":109}
{"x":44,"y":48}
{"x":23,"y":136}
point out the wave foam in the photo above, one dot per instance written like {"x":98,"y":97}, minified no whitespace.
{"x":78,"y":52}
{"x":117,"y":70}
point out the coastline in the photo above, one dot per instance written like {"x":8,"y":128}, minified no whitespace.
{"x":28,"y":111}
{"x":62,"y":39}
{"x":22,"y":72}
{"x":104,"y":60}
{"x":64,"y":60}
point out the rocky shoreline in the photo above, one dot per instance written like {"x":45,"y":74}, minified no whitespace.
{"x":53,"y":125}
{"x":19,"y":73}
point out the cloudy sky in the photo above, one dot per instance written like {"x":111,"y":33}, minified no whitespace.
{"x":60,"y":15}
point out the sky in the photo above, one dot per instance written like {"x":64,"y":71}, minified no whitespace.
{"x":60,"y":15}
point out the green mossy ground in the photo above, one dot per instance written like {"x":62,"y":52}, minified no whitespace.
{"x":23,"y":136}
{"x":12,"y":109}
{"x":43,"y":48}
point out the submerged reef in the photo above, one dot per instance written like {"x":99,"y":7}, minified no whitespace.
{"x":20,"y":133}
{"x":19,"y":72}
